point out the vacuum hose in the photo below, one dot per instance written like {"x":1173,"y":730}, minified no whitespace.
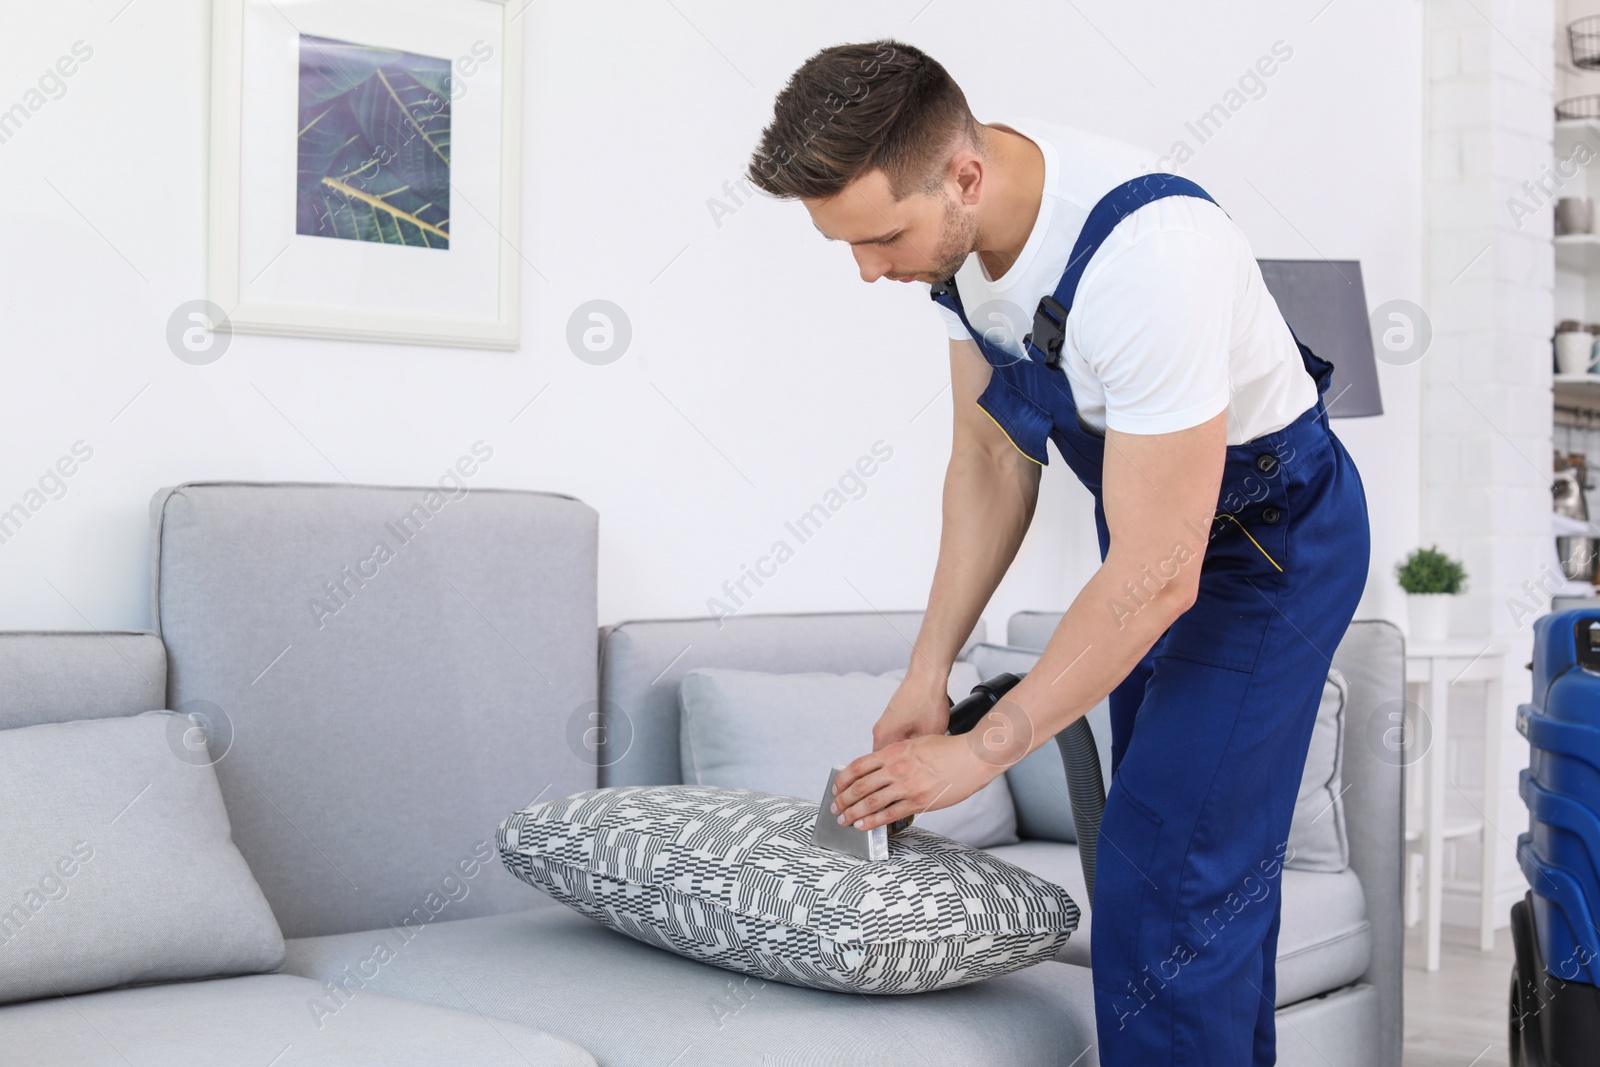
{"x":1085,"y":787}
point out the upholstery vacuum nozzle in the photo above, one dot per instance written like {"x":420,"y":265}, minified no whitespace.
{"x":1085,"y":785}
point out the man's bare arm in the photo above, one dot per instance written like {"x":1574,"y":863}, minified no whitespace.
{"x":990,"y":490}
{"x":1160,"y":493}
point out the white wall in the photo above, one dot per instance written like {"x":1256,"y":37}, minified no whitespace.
{"x":761,"y":366}
{"x":1487,"y":411}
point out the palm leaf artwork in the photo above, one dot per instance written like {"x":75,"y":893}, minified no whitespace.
{"x":374,"y":144}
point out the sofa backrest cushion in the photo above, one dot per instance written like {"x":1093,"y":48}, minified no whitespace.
{"x":116,"y":864}
{"x":782,"y":733}
{"x":400,"y":667}
{"x":642,"y":662}
{"x":1317,"y":836}
{"x":62,"y":675}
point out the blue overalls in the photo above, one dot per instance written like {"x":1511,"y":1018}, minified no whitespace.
{"x":1209,"y":731}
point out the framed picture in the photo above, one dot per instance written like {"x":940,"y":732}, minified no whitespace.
{"x":365,"y":170}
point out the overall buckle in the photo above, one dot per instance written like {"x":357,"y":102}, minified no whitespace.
{"x":1050,"y":329}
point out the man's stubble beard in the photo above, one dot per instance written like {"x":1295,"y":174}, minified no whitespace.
{"x":958,"y":237}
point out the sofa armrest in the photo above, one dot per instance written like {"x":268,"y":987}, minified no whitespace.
{"x":1372,"y":658}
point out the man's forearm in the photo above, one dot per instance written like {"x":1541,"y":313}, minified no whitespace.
{"x":1160,"y":492}
{"x":1095,"y":646}
{"x":989,"y":499}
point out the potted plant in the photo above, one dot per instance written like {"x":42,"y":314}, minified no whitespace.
{"x":1430,"y":579}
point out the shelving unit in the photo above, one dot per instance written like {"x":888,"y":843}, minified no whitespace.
{"x":1578,"y":251}
{"x":1576,"y":397}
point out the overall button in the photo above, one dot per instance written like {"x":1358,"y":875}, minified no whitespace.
{"x":1265,"y":462}
{"x":1270,"y":514}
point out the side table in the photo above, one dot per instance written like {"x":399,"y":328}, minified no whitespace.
{"x":1434,"y":666}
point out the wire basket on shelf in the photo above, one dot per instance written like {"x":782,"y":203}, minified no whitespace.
{"x":1584,"y":37}
{"x":1579,"y":107}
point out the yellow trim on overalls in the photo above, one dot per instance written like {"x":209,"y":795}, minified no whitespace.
{"x":1253,"y":541}
{"x":1008,"y":436}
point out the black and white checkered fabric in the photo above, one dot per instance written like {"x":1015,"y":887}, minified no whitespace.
{"x":730,"y":877}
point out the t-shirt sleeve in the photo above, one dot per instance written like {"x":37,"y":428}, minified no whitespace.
{"x":952,"y":322}
{"x":1155,"y":327}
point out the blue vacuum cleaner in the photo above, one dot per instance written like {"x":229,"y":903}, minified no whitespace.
{"x":1555,"y":981}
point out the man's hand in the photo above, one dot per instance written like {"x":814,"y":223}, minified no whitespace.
{"x":907,"y":778}
{"x":920,"y":706}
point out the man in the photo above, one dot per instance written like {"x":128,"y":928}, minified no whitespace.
{"x":1232,"y":522}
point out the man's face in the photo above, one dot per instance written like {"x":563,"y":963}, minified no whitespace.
{"x":924,"y":237}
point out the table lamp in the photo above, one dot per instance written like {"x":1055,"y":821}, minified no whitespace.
{"x":1324,"y":301}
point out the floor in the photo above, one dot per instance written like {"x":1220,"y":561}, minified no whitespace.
{"x":1457,"y":1016}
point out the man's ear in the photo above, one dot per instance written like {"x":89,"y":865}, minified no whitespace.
{"x":967,"y":172}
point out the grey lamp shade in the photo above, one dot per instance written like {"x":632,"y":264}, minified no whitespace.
{"x":1325,"y":303}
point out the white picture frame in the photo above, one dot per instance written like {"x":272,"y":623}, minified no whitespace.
{"x":267,"y":277}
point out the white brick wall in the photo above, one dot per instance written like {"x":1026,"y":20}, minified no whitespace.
{"x":1486,"y":419}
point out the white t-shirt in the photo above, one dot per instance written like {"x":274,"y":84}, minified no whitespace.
{"x":1171,"y":323}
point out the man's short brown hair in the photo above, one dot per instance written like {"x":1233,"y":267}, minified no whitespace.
{"x":855,"y":107}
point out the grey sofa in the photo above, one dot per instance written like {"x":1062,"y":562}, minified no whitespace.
{"x":386,"y":715}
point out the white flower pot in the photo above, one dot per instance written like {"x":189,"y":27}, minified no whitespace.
{"x":1429,"y":615}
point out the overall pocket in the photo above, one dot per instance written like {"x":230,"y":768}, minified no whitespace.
{"x":1021,"y":418}
{"x":1245,"y":567}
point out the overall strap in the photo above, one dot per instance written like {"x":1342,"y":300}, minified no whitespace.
{"x":1029,"y":408}
{"x":1011,"y":397}
{"x":1043,"y":344}
{"x":945,"y":293}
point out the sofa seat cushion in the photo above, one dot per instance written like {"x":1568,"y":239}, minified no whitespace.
{"x":1324,"y":938}
{"x":266,"y":1019}
{"x":731,"y":877}
{"x":634,"y":1006}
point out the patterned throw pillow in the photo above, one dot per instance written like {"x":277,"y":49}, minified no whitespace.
{"x":730,"y":877}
